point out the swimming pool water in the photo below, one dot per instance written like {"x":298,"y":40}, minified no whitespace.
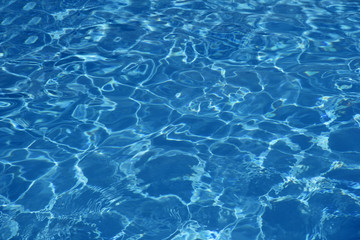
{"x":179,"y":119}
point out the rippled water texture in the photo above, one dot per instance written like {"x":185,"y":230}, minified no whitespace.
{"x":181,"y":120}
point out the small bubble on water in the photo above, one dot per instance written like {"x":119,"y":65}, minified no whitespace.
{"x":29,"y":6}
{"x":31,"y":39}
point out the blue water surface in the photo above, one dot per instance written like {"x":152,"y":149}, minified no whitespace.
{"x":180,"y":119}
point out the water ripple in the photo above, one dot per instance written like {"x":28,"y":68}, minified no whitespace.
{"x":179,"y":119}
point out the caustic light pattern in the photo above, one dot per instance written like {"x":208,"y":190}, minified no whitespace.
{"x":180,"y":120}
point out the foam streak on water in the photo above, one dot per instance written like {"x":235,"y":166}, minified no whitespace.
{"x":181,"y":120}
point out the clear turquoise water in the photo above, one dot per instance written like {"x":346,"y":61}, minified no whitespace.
{"x":182,"y":120}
